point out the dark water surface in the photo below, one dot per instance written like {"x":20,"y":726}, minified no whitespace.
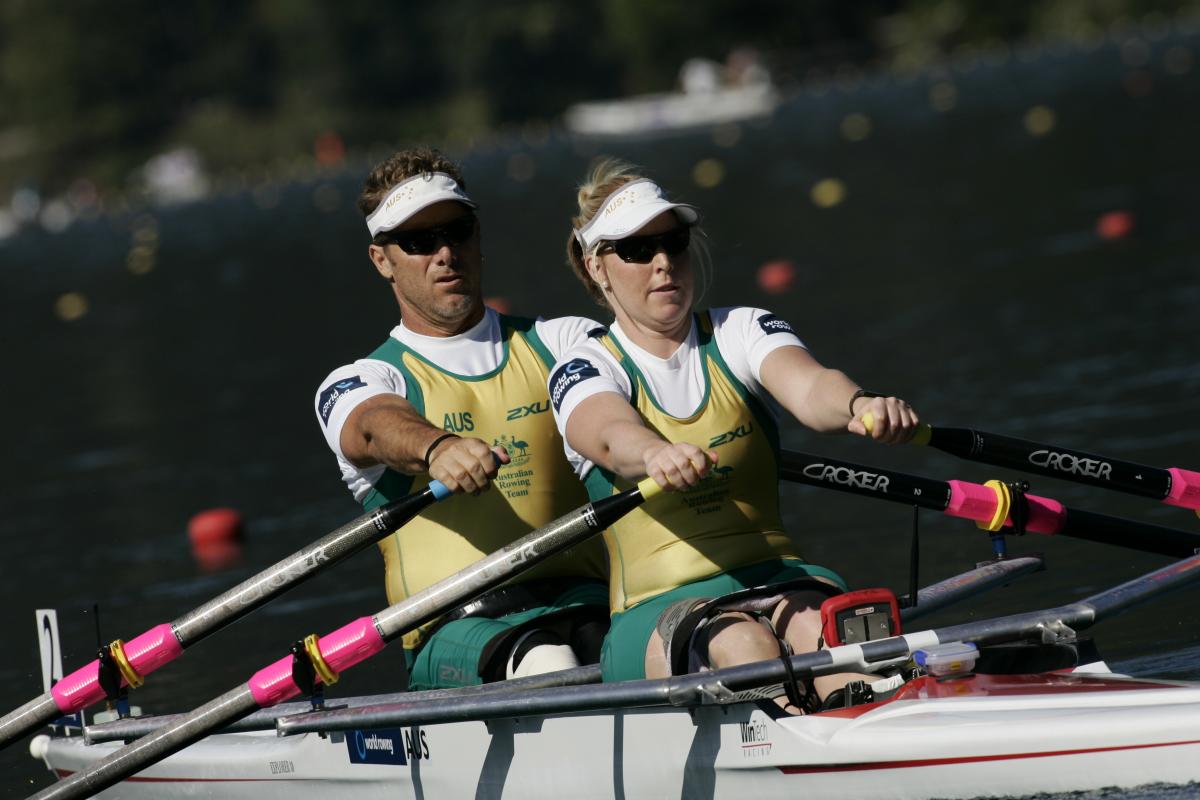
{"x":962,"y":271}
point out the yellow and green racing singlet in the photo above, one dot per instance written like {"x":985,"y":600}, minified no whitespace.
{"x":507,"y":408}
{"x":729,"y":520}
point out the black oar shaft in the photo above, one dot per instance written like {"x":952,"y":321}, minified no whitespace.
{"x":1126,"y":533}
{"x":1056,"y":462}
{"x":844,"y":476}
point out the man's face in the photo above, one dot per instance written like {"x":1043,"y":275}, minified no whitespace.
{"x":440,"y":292}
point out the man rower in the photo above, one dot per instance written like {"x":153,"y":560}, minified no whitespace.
{"x":457,"y":393}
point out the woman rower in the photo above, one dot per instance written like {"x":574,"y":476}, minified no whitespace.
{"x":684,"y":398}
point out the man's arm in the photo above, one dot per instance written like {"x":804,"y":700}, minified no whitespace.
{"x":386,"y":429}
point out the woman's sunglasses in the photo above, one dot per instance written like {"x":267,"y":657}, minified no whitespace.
{"x":641,"y":249}
{"x":425,"y":241}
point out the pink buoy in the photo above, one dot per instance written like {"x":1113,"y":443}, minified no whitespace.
{"x":776,"y":277}
{"x":1114,"y":225}
{"x":215,"y":525}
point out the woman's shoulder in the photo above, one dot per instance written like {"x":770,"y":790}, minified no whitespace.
{"x":748,"y":321}
{"x":562,"y":334}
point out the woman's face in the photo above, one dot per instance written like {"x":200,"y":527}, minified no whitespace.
{"x":655,"y":289}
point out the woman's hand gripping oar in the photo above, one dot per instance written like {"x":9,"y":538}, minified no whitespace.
{"x":131,"y":661}
{"x":1173,"y":486}
{"x":329,"y":655}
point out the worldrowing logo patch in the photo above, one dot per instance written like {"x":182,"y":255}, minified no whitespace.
{"x":773,"y":324}
{"x":334,"y":392}
{"x":570,"y":374}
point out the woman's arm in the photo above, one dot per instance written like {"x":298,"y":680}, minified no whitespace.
{"x":819,"y":398}
{"x":609,"y":432}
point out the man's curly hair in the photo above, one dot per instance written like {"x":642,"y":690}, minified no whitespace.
{"x":401,"y":166}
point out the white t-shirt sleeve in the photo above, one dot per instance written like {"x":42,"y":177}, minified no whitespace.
{"x":584,"y":370}
{"x":347,"y":387}
{"x":563,"y":333}
{"x":746,"y":336}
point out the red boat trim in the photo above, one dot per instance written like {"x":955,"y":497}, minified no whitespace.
{"x":938,"y":762}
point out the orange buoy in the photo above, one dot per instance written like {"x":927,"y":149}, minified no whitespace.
{"x":776,"y":277}
{"x":329,"y":150}
{"x":1114,"y":225}
{"x":218,"y":555}
{"x":215,"y":525}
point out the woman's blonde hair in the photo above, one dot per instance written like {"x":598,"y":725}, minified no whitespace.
{"x":606,"y":176}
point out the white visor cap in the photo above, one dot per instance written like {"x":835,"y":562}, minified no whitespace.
{"x":628,"y":209}
{"x":411,"y":195}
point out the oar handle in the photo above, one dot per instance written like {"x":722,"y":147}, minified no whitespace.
{"x":920,"y":436}
{"x":1173,"y":486}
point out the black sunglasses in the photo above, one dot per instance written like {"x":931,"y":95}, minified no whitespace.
{"x":424,"y":242}
{"x":641,"y":249}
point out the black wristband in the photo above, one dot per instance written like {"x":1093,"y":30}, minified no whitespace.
{"x":861,"y":393}
{"x":435,"y":443}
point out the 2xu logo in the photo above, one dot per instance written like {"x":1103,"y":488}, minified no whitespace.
{"x":1065,"y":462}
{"x":729,"y":436}
{"x":844,"y":476}
{"x":527,"y":411}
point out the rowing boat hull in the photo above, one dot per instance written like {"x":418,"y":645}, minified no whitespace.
{"x":969,"y":737}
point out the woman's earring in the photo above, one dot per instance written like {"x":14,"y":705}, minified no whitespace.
{"x":604,"y":286}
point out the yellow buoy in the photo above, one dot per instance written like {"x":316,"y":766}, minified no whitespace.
{"x":708,"y":173}
{"x":856,"y":127}
{"x":1039,"y":120}
{"x":71,"y":306}
{"x":140,"y":259}
{"x":828,"y":193}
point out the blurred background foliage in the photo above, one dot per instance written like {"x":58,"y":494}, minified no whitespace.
{"x":92,"y":89}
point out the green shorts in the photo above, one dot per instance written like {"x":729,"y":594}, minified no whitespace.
{"x":623,"y":657}
{"x":451,"y":656}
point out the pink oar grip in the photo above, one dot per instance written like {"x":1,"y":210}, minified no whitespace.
{"x":341,"y":650}
{"x":1185,"y":489}
{"x":1045,"y":515}
{"x":152,"y":649}
{"x":971,"y":501}
{"x":978,"y":502}
{"x":146,"y":653}
{"x":351,"y":644}
{"x":273,"y":684}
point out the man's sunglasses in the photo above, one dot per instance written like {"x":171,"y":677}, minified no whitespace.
{"x":641,"y":249}
{"x":425,"y":241}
